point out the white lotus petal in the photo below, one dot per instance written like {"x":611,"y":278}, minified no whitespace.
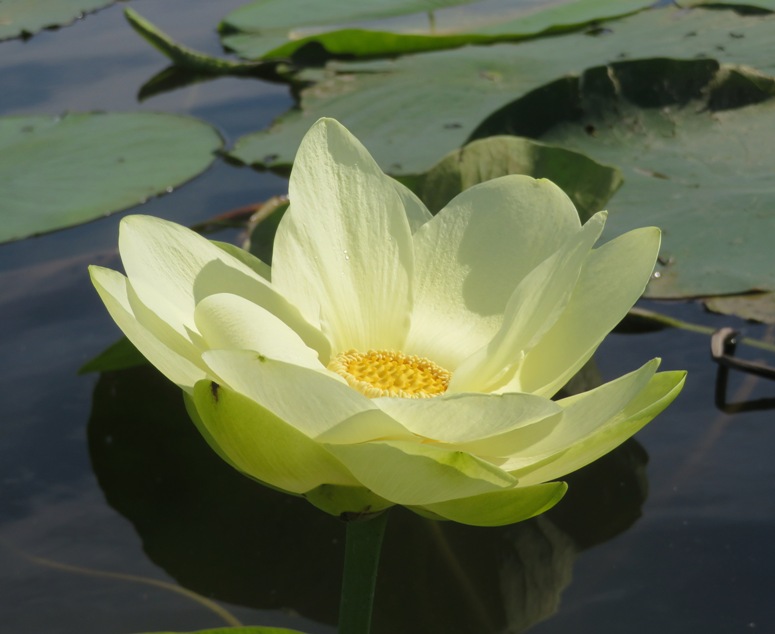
{"x":612,"y":280}
{"x":172,"y":268}
{"x":470,"y":257}
{"x":584,"y":414}
{"x":484,"y":424}
{"x":178,"y":368}
{"x":318,"y":403}
{"x":343,"y":250}
{"x":533,"y":308}
{"x":232,"y":322}
{"x":660,"y":391}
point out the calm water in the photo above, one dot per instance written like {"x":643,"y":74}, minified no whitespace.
{"x":103,"y":478}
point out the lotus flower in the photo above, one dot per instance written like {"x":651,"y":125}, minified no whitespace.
{"x":390,"y":356}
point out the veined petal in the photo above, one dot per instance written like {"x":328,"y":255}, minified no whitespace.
{"x":172,"y":268}
{"x":411,"y":473}
{"x":583,"y":415}
{"x":232,"y":322}
{"x":470,"y":257}
{"x":536,"y":304}
{"x":113,"y":290}
{"x":661,"y":390}
{"x":482,"y":424}
{"x":343,"y":249}
{"x":499,"y":508}
{"x":264,"y":446}
{"x":317,"y":403}
{"x":611,"y":281}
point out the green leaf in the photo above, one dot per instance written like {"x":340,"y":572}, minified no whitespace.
{"x":189,"y":59}
{"x":58,"y":172}
{"x":444,"y":97}
{"x":270,"y":28}
{"x":588,"y":183}
{"x":702,"y":175}
{"x":23,"y":17}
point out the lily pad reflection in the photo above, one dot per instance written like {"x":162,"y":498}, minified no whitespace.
{"x":222,"y":535}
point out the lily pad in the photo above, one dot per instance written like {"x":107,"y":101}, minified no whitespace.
{"x":588,"y":183}
{"x":271,"y":29}
{"x":411,"y":111}
{"x":706,"y":177}
{"x":58,"y":172}
{"x":754,"y":307}
{"x":26,"y":17}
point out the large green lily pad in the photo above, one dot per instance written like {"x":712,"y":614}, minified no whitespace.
{"x":25,"y":17}
{"x":270,"y":29}
{"x":58,"y":172}
{"x":705,"y":176}
{"x":411,"y":111}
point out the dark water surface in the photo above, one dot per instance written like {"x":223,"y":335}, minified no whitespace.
{"x":103,"y":478}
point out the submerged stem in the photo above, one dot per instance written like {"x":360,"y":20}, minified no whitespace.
{"x":361,"y":561}
{"x":672,"y":322}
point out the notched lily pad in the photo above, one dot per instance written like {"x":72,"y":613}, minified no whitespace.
{"x":58,"y":172}
{"x":444,"y":97}
{"x":20,"y":18}
{"x":705,"y":177}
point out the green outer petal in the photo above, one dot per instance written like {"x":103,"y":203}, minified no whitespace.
{"x":661,"y":390}
{"x":346,"y":502}
{"x":262,"y":445}
{"x":533,"y":308}
{"x":232,"y":322}
{"x":470,"y":257}
{"x":478,"y":423}
{"x":113,"y":290}
{"x":343,"y":249}
{"x":584,"y":414}
{"x":411,"y":473}
{"x":499,"y":508}
{"x":172,"y":268}
{"x":319,"y":404}
{"x":612,"y":280}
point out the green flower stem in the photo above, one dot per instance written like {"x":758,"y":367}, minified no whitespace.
{"x":672,"y":322}
{"x":361,"y":560}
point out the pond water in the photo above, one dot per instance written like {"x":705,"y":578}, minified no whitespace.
{"x":113,"y":512}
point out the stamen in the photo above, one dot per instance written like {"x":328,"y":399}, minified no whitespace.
{"x":386,"y":373}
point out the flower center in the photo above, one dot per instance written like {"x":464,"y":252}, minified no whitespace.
{"x":387,"y":373}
